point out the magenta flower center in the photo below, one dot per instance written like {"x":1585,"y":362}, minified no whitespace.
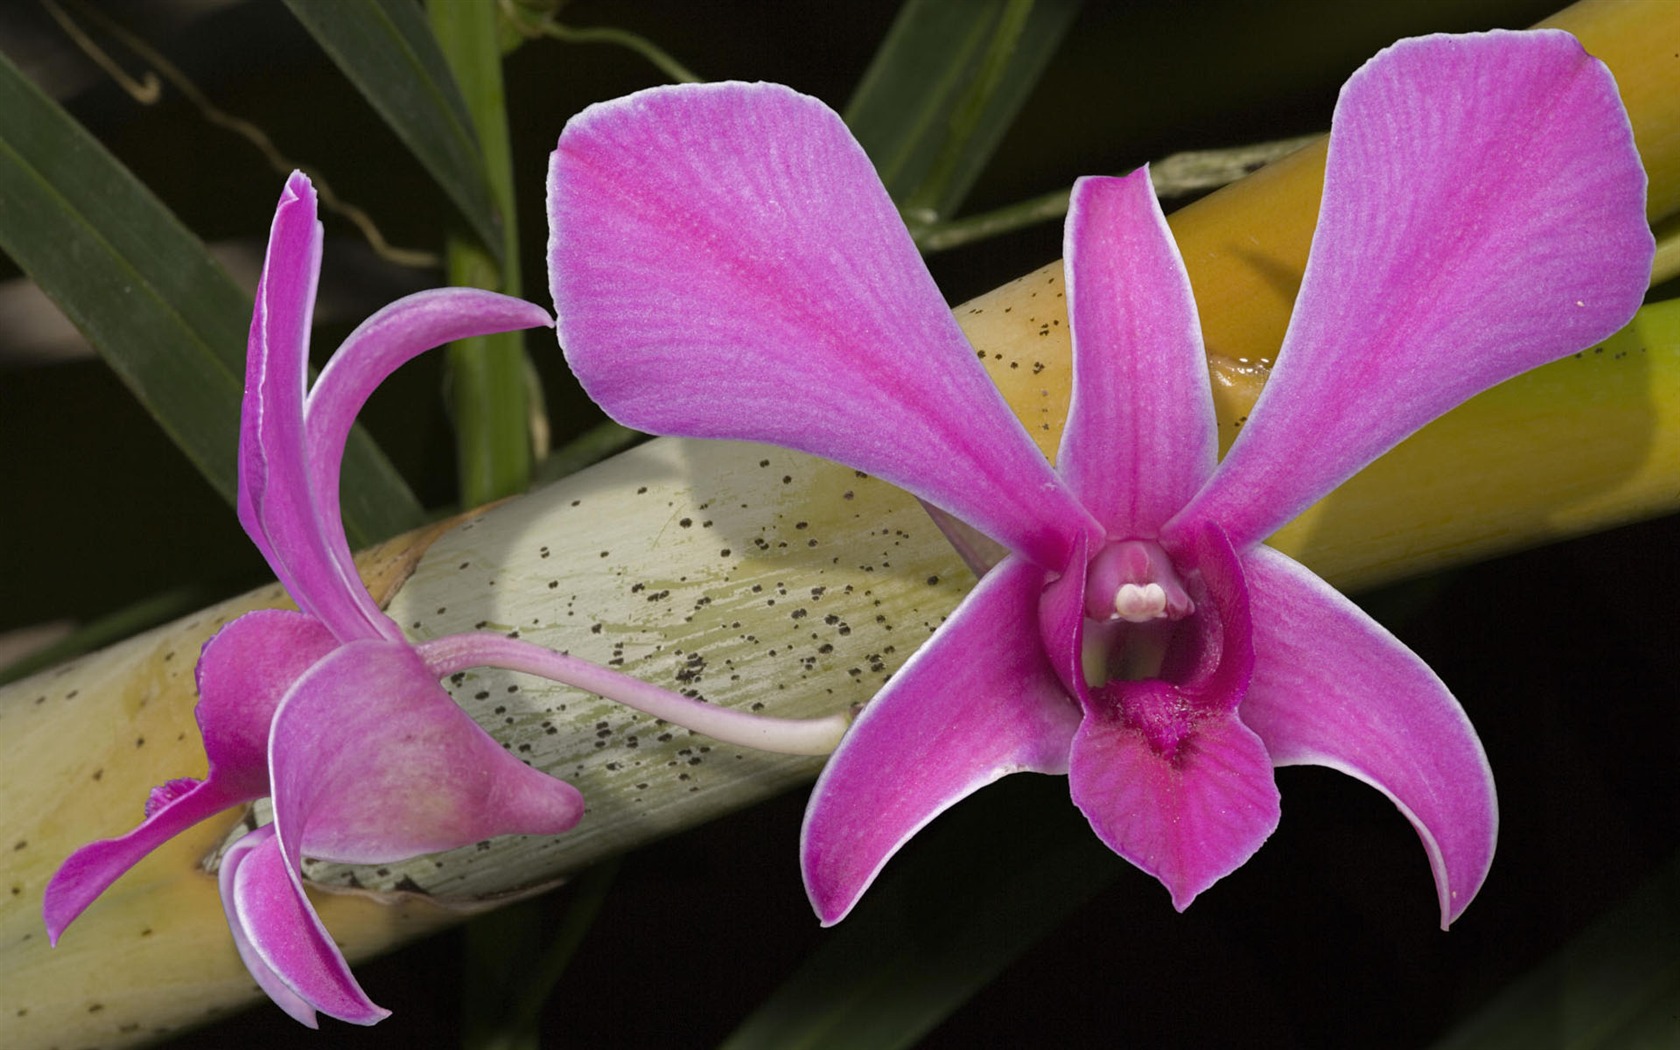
{"x":1135,"y":600}
{"x":1155,"y":633}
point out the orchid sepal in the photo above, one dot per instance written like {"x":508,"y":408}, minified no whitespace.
{"x":1483,"y":214}
{"x":1369,"y":707}
{"x":280,"y":938}
{"x":1140,"y":437}
{"x":951,"y":721}
{"x":797,"y":328}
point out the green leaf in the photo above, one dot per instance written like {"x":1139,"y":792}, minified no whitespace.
{"x":149,"y":298}
{"x":944,"y":87}
{"x":389,"y":53}
{"x":956,"y":907}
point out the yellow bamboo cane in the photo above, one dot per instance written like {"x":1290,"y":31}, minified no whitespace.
{"x":1583,"y":444}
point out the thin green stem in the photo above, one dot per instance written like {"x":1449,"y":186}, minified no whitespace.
{"x":487,"y":375}
{"x":547,"y":26}
{"x":942,"y":236}
{"x":1178,"y":175}
{"x":646,"y":48}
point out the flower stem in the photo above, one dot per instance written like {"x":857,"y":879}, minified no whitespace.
{"x":667,"y":65}
{"x":487,"y":394}
{"x":789,"y":736}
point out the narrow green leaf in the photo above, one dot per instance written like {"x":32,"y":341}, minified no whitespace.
{"x":385,"y":48}
{"x":944,"y":87}
{"x":948,"y":915}
{"x":145,"y":293}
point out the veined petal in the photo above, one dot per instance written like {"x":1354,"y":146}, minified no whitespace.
{"x":1140,"y":436}
{"x":725,"y":263}
{"x":1190,"y":817}
{"x":246,"y":668}
{"x":281,"y":939}
{"x":372,"y":762}
{"x":1483,"y":213}
{"x":977,"y":702}
{"x":275,"y":500}
{"x":380,"y":345}
{"x":1332,"y":688}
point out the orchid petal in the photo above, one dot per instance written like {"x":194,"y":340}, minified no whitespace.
{"x":245,"y":669}
{"x":1332,"y":688}
{"x":1189,"y":818}
{"x":1140,"y":436}
{"x":725,"y":263}
{"x":275,"y":501}
{"x":373,"y":762}
{"x":977,"y":702}
{"x":270,"y":982}
{"x":1483,"y":213}
{"x":91,"y":870}
{"x":1217,"y":668}
{"x":380,"y":345}
{"x":281,"y":939}
{"x":242,"y":674}
{"x":1061,"y":624}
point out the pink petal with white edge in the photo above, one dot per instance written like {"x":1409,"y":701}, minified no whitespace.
{"x":725,"y":263}
{"x":281,"y":939}
{"x":275,"y":500}
{"x":1189,"y":818}
{"x":977,"y":702}
{"x":1483,"y":213}
{"x":1332,"y":688}
{"x":1140,"y":437}
{"x":379,"y":346}
{"x":373,"y":762}
{"x":246,"y":668}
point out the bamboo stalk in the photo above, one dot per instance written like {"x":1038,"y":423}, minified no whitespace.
{"x":763,"y":577}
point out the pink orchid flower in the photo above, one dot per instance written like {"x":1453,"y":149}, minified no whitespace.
{"x":726,"y":264}
{"x":330,"y":711}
